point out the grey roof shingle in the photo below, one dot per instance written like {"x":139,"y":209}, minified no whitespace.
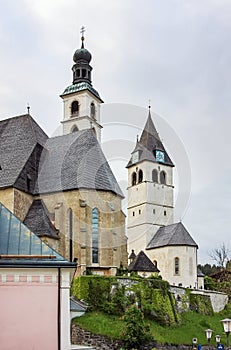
{"x":76,"y":161}
{"x":33,"y":163}
{"x":150,"y":141}
{"x":142,"y":263}
{"x":171,"y":235}
{"x":38,"y":220}
{"x":18,"y":138}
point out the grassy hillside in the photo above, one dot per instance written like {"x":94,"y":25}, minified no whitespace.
{"x":192,"y":325}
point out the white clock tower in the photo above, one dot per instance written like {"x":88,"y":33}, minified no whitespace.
{"x":81,"y":101}
{"x":150,"y":188}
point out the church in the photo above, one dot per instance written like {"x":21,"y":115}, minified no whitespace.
{"x":150,"y":226}
{"x":63,"y":189}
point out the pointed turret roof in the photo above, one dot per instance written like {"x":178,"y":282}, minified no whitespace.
{"x":38,"y":220}
{"x":142,"y":263}
{"x":148,"y":144}
{"x":171,"y":235}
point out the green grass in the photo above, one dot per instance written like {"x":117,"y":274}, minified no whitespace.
{"x":193,"y":325}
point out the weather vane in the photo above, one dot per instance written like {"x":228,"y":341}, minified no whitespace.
{"x":28,"y":108}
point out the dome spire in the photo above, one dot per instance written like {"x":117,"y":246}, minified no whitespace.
{"x":82,"y":57}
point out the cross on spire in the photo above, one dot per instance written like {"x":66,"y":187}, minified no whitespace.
{"x":28,"y":108}
{"x":82,"y":31}
{"x":149,"y":104}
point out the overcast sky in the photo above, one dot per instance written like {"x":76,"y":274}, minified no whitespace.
{"x":175,"y":52}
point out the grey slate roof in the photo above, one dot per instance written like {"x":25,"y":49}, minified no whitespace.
{"x":19,"y":136}
{"x":171,"y":235}
{"x":38,"y":220}
{"x":20,"y":246}
{"x":76,"y":161}
{"x":33,"y":163}
{"x":142,"y":263}
{"x":150,"y":141}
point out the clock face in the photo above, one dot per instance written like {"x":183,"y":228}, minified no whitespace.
{"x":135,"y":157}
{"x":159,"y":156}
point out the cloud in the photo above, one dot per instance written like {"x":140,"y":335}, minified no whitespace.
{"x":175,"y":52}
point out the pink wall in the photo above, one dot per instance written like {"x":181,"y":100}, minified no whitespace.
{"x":28,"y":316}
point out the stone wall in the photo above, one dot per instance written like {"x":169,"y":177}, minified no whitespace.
{"x":218,"y":299}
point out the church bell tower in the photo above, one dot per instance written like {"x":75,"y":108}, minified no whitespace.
{"x":81,"y":101}
{"x":150,"y":188}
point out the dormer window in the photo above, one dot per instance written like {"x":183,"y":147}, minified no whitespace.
{"x":75,"y":108}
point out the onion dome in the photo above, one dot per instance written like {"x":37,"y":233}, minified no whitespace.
{"x":82,"y":54}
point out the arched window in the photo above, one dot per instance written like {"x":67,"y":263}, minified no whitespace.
{"x":177,"y":266}
{"x":133,"y":179}
{"x":140,"y":176}
{"x":92,"y":110}
{"x":155,"y":175}
{"x":70,"y":234}
{"x":74,"y":128}
{"x":95,"y":236}
{"x":163,"y":177}
{"x":75,"y":108}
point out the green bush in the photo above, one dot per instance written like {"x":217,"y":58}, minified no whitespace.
{"x":201,"y":304}
{"x":156,"y":301}
{"x":135,"y":331}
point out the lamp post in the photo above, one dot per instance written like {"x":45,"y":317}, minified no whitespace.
{"x":194,"y":341}
{"x":227,"y":328}
{"x":209,"y":333}
{"x":218,"y":339}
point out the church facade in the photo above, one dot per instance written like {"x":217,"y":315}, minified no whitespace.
{"x":62,"y":188}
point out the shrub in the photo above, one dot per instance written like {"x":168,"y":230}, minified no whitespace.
{"x":135,"y":331}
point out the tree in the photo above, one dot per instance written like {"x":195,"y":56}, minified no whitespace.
{"x":220,"y":255}
{"x":135,"y":331}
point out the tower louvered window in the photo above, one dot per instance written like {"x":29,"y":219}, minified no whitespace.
{"x":133,"y":179}
{"x":155,"y":176}
{"x":140,"y":176}
{"x":163,"y":177}
{"x":75,"y":108}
